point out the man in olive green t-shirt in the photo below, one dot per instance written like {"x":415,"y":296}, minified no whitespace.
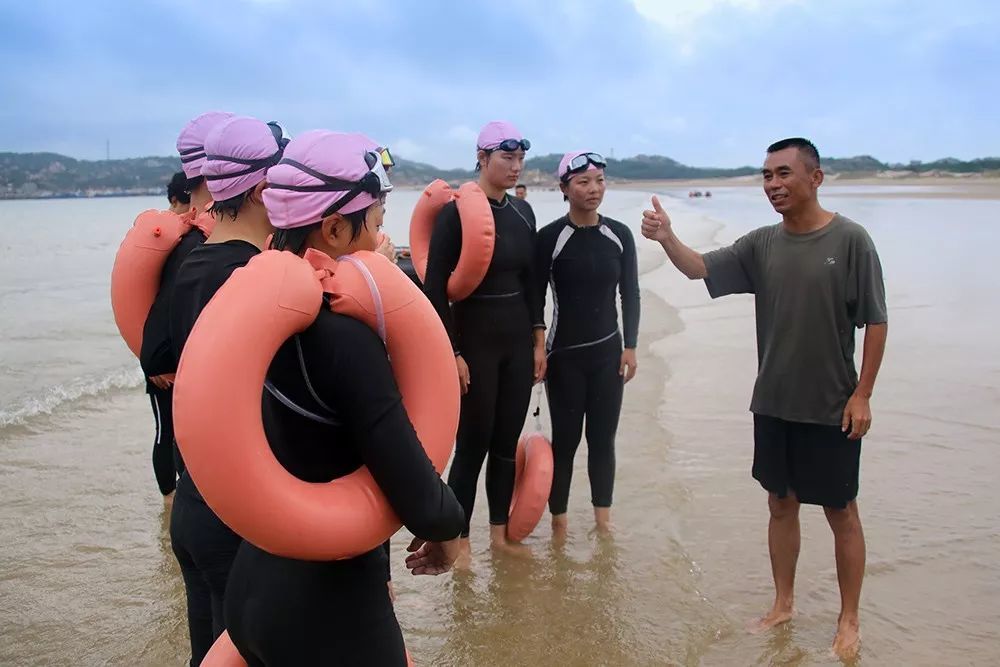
{"x":815,"y":277}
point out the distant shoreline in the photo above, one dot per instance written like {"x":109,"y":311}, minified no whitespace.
{"x":913,"y":187}
{"x":939,"y":186}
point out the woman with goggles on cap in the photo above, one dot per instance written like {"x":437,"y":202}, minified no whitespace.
{"x":238,"y":152}
{"x":330,"y":405}
{"x":586,"y":258}
{"x":497,"y":332}
{"x":156,"y":356}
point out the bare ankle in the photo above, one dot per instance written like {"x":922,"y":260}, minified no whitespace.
{"x":849,"y":620}
{"x":784,"y":604}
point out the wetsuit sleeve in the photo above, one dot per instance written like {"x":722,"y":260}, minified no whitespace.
{"x":534,"y":296}
{"x":544,"y":247}
{"x":628,"y":287}
{"x":446,"y":246}
{"x":534,"y":290}
{"x":157,"y":356}
{"x":358,"y":380}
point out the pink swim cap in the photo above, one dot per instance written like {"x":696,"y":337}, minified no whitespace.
{"x":495,"y":133}
{"x":191,"y":140}
{"x":238,"y":153}
{"x":319,"y":169}
{"x":594,"y":162}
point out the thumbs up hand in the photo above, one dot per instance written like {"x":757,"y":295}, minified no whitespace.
{"x":656,"y":223}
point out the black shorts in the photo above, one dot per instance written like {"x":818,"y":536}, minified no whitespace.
{"x":816,"y":462}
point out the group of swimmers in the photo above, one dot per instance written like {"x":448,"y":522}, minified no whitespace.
{"x":333,"y":383}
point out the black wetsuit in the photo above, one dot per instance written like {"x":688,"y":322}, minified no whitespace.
{"x":204,"y":546}
{"x":157,"y":358}
{"x":492,"y":330}
{"x":586,"y":266}
{"x":331,"y":405}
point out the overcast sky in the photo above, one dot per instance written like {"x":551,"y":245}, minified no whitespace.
{"x":707,"y":82}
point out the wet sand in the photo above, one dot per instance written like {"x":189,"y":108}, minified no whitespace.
{"x":87,"y":575}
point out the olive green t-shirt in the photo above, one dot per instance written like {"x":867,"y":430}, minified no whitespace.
{"x":811,"y":291}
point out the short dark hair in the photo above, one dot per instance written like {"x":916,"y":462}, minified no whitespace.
{"x":193,"y":183}
{"x":520,"y":185}
{"x":231,"y":206}
{"x":295,"y":239}
{"x":805,"y":147}
{"x":177,"y":189}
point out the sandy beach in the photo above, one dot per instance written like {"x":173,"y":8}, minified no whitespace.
{"x":88,"y":577}
{"x":958,"y":186}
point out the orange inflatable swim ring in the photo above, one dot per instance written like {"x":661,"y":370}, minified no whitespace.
{"x":224,"y":654}
{"x":532,"y":485}
{"x":220,"y":380}
{"x":478,"y":234}
{"x":135,"y":276}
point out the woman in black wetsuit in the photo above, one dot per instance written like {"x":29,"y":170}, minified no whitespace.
{"x":586,"y":258}
{"x":497,"y":332}
{"x":156,"y":355}
{"x":331,"y":405}
{"x":238,"y":152}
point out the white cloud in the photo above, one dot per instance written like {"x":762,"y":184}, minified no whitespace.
{"x":409,"y":149}
{"x":463,"y":134}
{"x":682,"y":15}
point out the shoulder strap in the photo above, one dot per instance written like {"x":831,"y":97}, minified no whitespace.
{"x":330,"y":417}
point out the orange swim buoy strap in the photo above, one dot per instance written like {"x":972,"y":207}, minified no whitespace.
{"x":442,"y":257}
{"x":156,"y":356}
{"x":348,"y":369}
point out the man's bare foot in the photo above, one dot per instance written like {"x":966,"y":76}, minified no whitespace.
{"x":775,"y":617}
{"x":847,"y":640}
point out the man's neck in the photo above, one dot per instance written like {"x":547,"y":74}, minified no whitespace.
{"x":809,"y":219}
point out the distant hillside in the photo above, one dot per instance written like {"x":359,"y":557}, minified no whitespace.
{"x":868,"y":164}
{"x":642,"y":167}
{"x":37,"y":175}
{"x":51,"y":174}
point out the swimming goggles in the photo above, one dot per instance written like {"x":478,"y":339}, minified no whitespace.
{"x":387,"y":160}
{"x":581,"y":162}
{"x":375,"y":182}
{"x":510,"y":145}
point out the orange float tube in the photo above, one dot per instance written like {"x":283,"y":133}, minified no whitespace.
{"x":217,"y":413}
{"x":532,"y":485}
{"x":224,"y":654}
{"x":135,"y":276}
{"x":478,"y":234}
